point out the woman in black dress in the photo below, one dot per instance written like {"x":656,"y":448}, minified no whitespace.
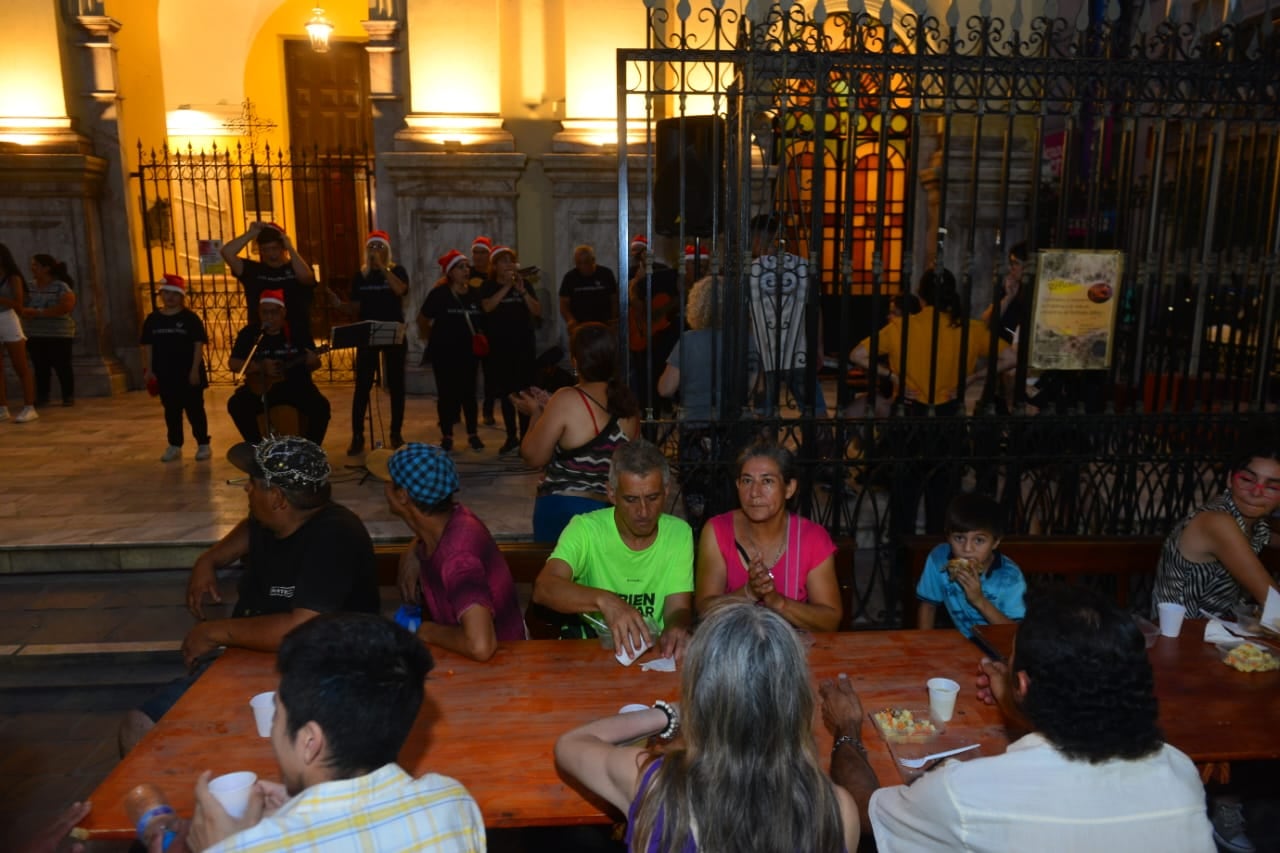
{"x":510,"y":308}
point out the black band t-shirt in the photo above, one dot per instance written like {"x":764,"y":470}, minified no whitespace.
{"x":591,"y":298}
{"x":377,"y":300}
{"x":173,"y":339}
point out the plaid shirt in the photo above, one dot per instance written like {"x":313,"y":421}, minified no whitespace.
{"x":387,"y":810}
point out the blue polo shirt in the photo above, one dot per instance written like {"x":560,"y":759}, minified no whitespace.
{"x":1002,"y":584}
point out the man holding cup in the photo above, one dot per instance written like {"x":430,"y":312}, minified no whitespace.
{"x":1093,"y":772}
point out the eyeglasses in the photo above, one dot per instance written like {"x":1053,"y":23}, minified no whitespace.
{"x":1249,"y":482}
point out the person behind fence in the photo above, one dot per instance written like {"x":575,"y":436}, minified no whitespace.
{"x":574,"y":432}
{"x":629,"y":567}
{"x":511,"y":309}
{"x":1094,"y":772}
{"x":173,"y":342}
{"x":50,"y":328}
{"x":588,"y":292}
{"x":452,"y":565}
{"x":377,"y":292}
{"x":967,"y":575}
{"x":303,"y":554}
{"x":278,"y":374}
{"x":450,"y":323}
{"x":1209,"y":562}
{"x":351,"y":686}
{"x":12,"y":295}
{"x":653,"y":294}
{"x":765,"y":554}
{"x":281,"y":268}
{"x":743,"y":775}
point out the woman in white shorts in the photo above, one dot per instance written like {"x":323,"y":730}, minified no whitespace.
{"x":12,"y":291}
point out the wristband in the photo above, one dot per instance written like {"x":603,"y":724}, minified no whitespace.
{"x":853,"y":740}
{"x":673,"y":719}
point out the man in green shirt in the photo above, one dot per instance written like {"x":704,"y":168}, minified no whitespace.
{"x":630,"y":562}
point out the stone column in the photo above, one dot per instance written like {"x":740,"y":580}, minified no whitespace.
{"x":389,"y":91}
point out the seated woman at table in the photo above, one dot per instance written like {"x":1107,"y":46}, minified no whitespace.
{"x":746,"y":715}
{"x":967,"y":574}
{"x":1210,"y":560}
{"x":763,"y":553}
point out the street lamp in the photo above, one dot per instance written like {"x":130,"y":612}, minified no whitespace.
{"x":318,"y":30}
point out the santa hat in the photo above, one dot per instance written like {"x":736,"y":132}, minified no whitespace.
{"x":450,"y":260}
{"x":499,"y":250}
{"x":482,"y":243}
{"x":176,"y":283}
{"x":639,"y":242}
{"x":272,"y":297}
{"x":378,"y":237}
{"x":690,"y":253}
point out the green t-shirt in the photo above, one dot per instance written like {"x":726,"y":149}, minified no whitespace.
{"x":594,"y":550}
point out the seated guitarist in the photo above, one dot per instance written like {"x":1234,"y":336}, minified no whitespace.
{"x":279,"y":372}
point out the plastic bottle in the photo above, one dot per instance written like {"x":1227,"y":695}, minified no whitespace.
{"x":150,"y":812}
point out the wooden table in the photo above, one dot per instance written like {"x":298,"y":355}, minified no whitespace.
{"x":493,"y":725}
{"x":1208,"y":710}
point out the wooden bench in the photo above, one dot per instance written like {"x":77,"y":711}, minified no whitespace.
{"x":1123,"y":564}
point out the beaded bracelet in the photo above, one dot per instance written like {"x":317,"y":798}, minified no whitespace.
{"x":673,"y":719}
{"x":854,"y":740}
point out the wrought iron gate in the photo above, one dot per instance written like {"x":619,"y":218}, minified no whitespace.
{"x":195,"y":201}
{"x":875,"y":147}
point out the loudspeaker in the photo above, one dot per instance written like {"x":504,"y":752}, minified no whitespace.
{"x":702,"y":142}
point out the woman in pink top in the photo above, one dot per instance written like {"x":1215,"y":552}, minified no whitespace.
{"x":765,"y":553}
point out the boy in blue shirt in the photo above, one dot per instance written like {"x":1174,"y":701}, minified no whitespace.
{"x":977,"y":584}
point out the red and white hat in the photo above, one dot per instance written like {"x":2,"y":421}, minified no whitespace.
{"x":450,"y":260}
{"x":639,"y":242}
{"x":691,"y":253}
{"x":176,"y":283}
{"x":272,"y":297}
{"x":378,"y":237}
{"x":500,"y":250}
{"x":482,"y":243}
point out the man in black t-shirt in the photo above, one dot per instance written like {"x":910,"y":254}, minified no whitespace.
{"x":377,"y":292}
{"x":303,"y":555}
{"x":588,"y":292}
{"x":279,"y":373}
{"x":281,"y":268}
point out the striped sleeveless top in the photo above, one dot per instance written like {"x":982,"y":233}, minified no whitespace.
{"x":1203,"y":586}
{"x":584,"y":468}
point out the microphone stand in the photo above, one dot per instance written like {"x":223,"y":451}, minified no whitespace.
{"x":266,"y":411}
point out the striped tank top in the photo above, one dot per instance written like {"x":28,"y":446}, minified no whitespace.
{"x":1203,"y":586}
{"x":585,"y":468}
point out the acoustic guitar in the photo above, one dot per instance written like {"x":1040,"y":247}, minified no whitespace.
{"x":260,"y":383}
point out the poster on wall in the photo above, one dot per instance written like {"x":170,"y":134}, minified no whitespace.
{"x":1074,"y":309}
{"x":211,"y":262}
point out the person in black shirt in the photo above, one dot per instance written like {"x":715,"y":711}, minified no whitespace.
{"x":281,"y":268}
{"x":510,"y":311}
{"x":303,"y":554}
{"x":278,"y":375}
{"x":588,"y":292}
{"x":173,"y":341}
{"x":377,"y":292}
{"x":450,"y":317}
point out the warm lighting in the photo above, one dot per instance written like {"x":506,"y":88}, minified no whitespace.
{"x":318,"y":30}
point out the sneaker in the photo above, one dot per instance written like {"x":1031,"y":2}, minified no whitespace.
{"x":509,"y":445}
{"x":446,"y":444}
{"x":475,"y":442}
{"x":68,"y":401}
{"x":397,"y":441}
{"x":1228,"y":826}
{"x":4,"y":413}
{"x":171,"y":453}
{"x":203,"y":452}
{"x":27,"y":415}
{"x":357,"y":445}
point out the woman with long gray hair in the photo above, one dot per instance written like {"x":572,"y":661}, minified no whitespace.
{"x":747,"y":749}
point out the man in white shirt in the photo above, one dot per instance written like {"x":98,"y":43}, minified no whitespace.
{"x":350,"y":689}
{"x":1092,"y":774}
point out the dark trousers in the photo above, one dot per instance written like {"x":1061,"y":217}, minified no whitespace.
{"x":52,"y":354}
{"x":392,"y":379}
{"x":456,"y":393}
{"x":510,"y":419}
{"x":245,"y":406}
{"x":179,"y":396}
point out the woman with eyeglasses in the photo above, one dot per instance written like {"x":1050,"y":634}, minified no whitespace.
{"x":1210,"y":560}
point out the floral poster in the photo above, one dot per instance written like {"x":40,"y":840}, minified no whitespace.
{"x":1074,"y":310}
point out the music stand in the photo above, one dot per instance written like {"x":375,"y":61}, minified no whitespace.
{"x":368,"y":333}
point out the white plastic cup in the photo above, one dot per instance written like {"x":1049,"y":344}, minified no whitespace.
{"x":233,"y":790}
{"x":942,"y":698}
{"x":264,"y":711}
{"x":1171,"y":616}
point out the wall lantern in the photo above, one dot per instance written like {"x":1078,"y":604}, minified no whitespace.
{"x":318,"y":30}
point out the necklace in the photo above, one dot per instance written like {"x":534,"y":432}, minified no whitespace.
{"x":782,"y":546}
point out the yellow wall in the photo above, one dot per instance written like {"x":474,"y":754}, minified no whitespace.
{"x":30,"y":63}
{"x":454,"y":49}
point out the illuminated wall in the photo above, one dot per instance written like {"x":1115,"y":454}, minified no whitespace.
{"x":454,"y":50}
{"x":31,"y":97}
